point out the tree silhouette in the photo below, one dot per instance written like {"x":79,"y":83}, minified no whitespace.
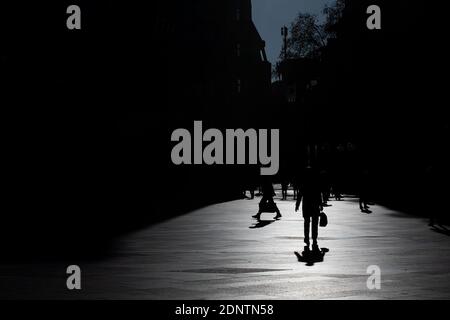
{"x":307,"y":35}
{"x":333,"y":14}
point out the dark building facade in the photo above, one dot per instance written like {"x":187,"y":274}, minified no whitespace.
{"x":214,"y":57}
{"x":372,"y":90}
{"x":98,"y":105}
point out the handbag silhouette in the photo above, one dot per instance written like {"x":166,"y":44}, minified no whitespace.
{"x":268,"y":207}
{"x":323,"y":222}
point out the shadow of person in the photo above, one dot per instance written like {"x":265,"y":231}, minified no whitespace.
{"x":310,"y":257}
{"x":441,"y":229}
{"x":262,"y":223}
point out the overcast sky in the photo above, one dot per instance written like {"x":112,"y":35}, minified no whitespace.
{"x":270,"y":15}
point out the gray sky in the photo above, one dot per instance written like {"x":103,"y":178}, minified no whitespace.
{"x":270,"y":15}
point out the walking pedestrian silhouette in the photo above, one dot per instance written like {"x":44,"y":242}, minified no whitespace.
{"x":267,"y":204}
{"x":311,"y":198}
{"x":284,"y":189}
{"x":364,"y":192}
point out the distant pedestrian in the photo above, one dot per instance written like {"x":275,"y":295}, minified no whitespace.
{"x":295,"y":188}
{"x":364,"y":192}
{"x":284,"y":189}
{"x":337,"y":192}
{"x":324,"y":187}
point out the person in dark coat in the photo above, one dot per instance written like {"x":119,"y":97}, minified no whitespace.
{"x":311,"y":199}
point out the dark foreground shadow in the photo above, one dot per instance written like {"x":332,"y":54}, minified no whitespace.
{"x":261,"y":224}
{"x":310,"y":257}
{"x":441,"y":229}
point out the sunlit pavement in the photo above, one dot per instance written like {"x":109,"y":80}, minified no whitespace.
{"x":218,"y":253}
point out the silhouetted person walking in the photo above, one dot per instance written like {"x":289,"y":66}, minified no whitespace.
{"x":336,"y":186}
{"x":364,"y":192}
{"x":324,"y":187}
{"x":267,"y":204}
{"x":284,"y":189}
{"x":310,"y":194}
{"x":295,"y":189}
{"x":337,"y":193}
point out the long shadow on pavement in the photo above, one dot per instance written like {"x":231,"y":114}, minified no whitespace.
{"x":261,"y":224}
{"x":441,"y":229}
